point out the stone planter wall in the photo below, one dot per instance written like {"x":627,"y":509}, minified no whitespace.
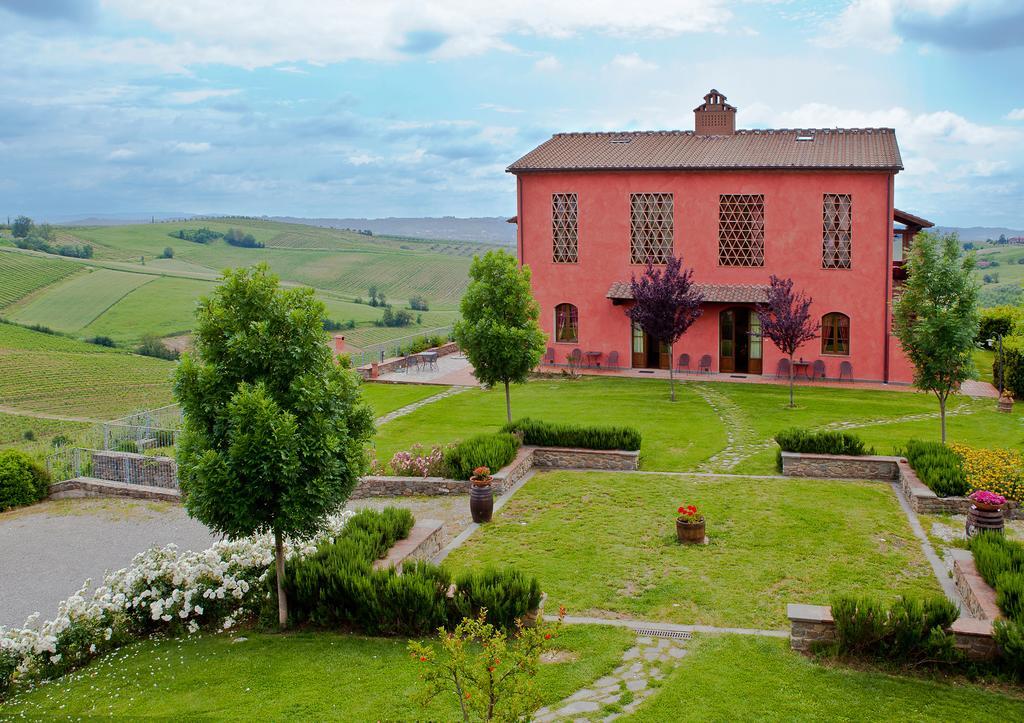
{"x":839,"y":466}
{"x":923,"y":501}
{"x":571,"y":458}
{"x":515,"y":470}
{"x":392,"y":363}
{"x":811,"y":625}
{"x":979,"y":598}
{"x":425,"y":540}
{"x":135,"y":469}
{"x":91,"y":487}
{"x":383,"y":486}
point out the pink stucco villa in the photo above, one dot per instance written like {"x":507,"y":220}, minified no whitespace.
{"x":815,"y":205}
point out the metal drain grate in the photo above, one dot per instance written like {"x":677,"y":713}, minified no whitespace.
{"x":677,"y":634}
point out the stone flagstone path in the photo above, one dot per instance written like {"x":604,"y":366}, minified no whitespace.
{"x":620,"y":693}
{"x":410,"y":408}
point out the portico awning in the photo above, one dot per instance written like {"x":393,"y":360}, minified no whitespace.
{"x":620,"y":291}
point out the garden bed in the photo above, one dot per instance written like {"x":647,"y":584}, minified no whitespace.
{"x":924,"y":501}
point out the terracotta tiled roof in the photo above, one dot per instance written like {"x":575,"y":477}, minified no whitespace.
{"x":836,"y":148}
{"x":910,"y":219}
{"x":713,"y":293}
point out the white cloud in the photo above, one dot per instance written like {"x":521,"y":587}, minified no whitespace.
{"x":191,"y":148}
{"x":187,"y":97}
{"x":632,"y":61}
{"x":497,"y":108}
{"x":258,"y":33}
{"x":1015,"y":114}
{"x":121,"y":154}
{"x":547,"y":64}
{"x":866,"y":23}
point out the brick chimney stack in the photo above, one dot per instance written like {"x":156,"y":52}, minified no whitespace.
{"x":714,"y":117}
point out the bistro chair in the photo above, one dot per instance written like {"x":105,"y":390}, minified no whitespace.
{"x":818,"y":370}
{"x":782,"y":370}
{"x":683,"y":365}
{"x":845,"y":370}
{"x":705,"y":364}
{"x":575,"y":357}
{"x":549,"y":356}
{"x":613,"y":360}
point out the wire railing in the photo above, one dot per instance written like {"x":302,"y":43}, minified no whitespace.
{"x":393,"y":347}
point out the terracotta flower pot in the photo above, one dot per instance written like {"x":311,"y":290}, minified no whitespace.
{"x":690,"y":533}
{"x":986,"y":506}
{"x":481,"y":502}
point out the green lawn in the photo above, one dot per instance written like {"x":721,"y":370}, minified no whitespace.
{"x":386,"y":398}
{"x":734,"y":678}
{"x":308,"y":676}
{"x":604,"y":544}
{"x":676,"y":435}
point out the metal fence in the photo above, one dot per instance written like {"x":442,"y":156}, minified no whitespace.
{"x":394,"y":347}
{"x":68,"y":463}
{"x":148,"y":429}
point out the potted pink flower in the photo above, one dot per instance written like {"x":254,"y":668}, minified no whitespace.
{"x":689,"y":525}
{"x":985,"y":500}
{"x":481,"y":495}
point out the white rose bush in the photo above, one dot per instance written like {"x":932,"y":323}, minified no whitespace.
{"x":162,"y":592}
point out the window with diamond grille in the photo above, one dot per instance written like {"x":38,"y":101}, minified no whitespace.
{"x":741,"y":229}
{"x":565,"y":228}
{"x":837,"y":231}
{"x":650,"y":227}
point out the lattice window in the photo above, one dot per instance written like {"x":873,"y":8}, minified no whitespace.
{"x":835,"y":334}
{"x":651,"y":227}
{"x":837,"y":231}
{"x":741,"y":229}
{"x":565,"y":228}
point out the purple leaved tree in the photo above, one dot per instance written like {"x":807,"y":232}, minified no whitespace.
{"x":666,"y":303}
{"x":786,"y":320}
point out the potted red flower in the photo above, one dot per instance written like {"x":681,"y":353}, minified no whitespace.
{"x":481,"y":495}
{"x":690,"y":525}
{"x":985,"y":500}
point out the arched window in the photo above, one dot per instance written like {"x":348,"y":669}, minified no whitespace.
{"x":835,"y":334}
{"x":567,"y":323}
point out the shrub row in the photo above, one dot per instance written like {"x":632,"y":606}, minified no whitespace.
{"x":548,"y":434}
{"x":807,"y":441}
{"x":22,"y":480}
{"x":998,"y":321}
{"x":1013,"y":365}
{"x":911,"y":630}
{"x":484,"y":450}
{"x":1000,"y":563}
{"x":938,"y":466}
{"x":337,"y":586}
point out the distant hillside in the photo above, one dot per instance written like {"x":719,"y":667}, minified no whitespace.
{"x":488,"y":229}
{"x":980,"y":233}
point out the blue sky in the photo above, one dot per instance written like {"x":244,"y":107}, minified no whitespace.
{"x":415,"y":108}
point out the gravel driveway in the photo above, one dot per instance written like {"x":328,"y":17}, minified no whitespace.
{"x":48,"y":550}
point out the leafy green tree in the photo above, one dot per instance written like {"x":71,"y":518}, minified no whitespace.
{"x":22,"y":227}
{"x":498,"y":330}
{"x":936,"y":317}
{"x":274,"y":431}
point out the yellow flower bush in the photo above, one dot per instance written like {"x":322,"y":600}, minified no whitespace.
{"x":995,"y":470}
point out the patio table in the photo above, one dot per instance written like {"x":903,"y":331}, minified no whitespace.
{"x":593,"y":358}
{"x":802,"y":365}
{"x":429,"y":358}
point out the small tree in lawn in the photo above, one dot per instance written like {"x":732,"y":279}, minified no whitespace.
{"x":665,"y":305}
{"x":936,"y":317}
{"x":786,"y":320}
{"x":274,"y":432}
{"x":498,"y":331}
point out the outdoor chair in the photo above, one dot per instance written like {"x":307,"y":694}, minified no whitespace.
{"x":613,"y":360}
{"x":845,"y":370}
{"x":818,"y":370}
{"x":575,"y":357}
{"x":782,"y":370}
{"x":549,"y":356}
{"x":705,"y":364}
{"x":683,"y":364}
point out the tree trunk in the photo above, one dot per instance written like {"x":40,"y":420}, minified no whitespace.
{"x":671,"y":379}
{"x":791,"y":403}
{"x":282,"y":601}
{"x":508,"y":403}
{"x":942,"y":416}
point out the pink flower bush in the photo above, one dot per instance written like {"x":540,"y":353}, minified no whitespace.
{"x":987,"y":498}
{"x":417,"y":462}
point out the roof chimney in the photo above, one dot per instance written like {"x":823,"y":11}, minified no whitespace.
{"x":714,"y":117}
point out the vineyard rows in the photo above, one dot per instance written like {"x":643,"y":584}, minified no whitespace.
{"x":21,"y":274}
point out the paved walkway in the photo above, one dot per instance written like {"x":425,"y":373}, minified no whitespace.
{"x":979,"y":389}
{"x":453,"y":369}
{"x":48,"y":550}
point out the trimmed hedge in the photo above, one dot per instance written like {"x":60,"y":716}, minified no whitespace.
{"x":1013,"y":357}
{"x":825,"y":442}
{"x":493,"y":451}
{"x":337,"y":586}
{"x":22,"y":480}
{"x":939,"y":467}
{"x":548,"y":434}
{"x":910,"y":630}
{"x":998,"y":321}
{"x":1000,"y":563}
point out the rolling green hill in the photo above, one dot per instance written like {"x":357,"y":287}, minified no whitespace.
{"x":1005,"y":273}
{"x":22,"y":274}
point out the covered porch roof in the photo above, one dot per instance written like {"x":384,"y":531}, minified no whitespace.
{"x":910,"y":220}
{"x":621,"y":291}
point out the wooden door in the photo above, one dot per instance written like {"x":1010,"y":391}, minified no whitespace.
{"x":638,"y":345}
{"x":755,"y":365}
{"x":727,"y":341}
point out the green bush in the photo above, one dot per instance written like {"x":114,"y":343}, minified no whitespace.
{"x":1009,"y":635}
{"x":549,"y":434}
{"x":1010,"y":594}
{"x":506,"y":594}
{"x":484,"y":450}
{"x":994,"y":554}
{"x":939,"y":467}
{"x":22,"y":480}
{"x":826,"y":442}
{"x":1013,"y":363}
{"x":998,"y":321}
{"x":911,"y":630}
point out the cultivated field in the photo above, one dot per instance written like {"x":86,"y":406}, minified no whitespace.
{"x":21,"y":274}
{"x":75,"y":302}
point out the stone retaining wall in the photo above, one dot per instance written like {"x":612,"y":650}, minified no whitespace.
{"x":839,"y":466}
{"x":423,"y":543}
{"x":813,"y":625}
{"x":384,"y":486}
{"x":979,"y":598}
{"x":515,"y":470}
{"x":573,"y":458}
{"x":135,"y":469}
{"x":91,"y":487}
